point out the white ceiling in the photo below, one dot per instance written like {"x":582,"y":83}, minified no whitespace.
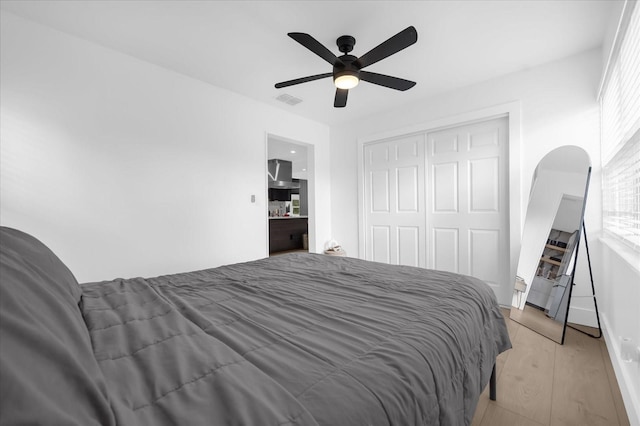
{"x":243,"y":45}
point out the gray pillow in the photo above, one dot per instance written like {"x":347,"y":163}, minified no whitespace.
{"x":48,"y":374}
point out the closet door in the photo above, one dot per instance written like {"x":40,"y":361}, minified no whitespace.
{"x":467,"y":201}
{"x":395,"y":201}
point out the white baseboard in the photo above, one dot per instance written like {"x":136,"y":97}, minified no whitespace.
{"x":583,"y":316}
{"x":624,"y":375}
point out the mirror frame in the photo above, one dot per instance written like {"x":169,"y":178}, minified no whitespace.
{"x":553,"y":334}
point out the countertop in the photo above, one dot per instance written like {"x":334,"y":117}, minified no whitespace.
{"x":288,"y":217}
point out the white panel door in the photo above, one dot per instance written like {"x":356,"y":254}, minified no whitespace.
{"x":467,"y":201}
{"x":395,"y":201}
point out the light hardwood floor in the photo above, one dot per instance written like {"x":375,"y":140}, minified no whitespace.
{"x":541,"y":383}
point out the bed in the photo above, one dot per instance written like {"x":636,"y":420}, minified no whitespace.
{"x":297,"y":339}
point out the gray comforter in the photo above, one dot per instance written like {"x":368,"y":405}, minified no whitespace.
{"x":295,"y":339}
{"x":289,"y":340}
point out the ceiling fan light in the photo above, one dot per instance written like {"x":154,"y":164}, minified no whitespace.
{"x":346,"y":81}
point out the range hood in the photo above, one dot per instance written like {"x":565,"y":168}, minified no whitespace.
{"x":280,"y":175}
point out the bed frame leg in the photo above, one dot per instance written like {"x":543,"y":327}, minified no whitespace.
{"x":492,"y":384}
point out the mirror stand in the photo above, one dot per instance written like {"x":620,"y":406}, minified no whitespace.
{"x":593,"y":289}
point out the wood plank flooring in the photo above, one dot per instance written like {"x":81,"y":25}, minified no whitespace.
{"x":541,"y":383}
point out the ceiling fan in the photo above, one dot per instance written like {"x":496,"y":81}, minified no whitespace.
{"x":347,"y":69}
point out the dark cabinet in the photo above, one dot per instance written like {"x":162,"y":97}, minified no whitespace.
{"x":286,"y":234}
{"x":279,"y":194}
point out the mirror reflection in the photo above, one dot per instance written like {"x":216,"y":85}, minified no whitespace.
{"x":550,"y":237}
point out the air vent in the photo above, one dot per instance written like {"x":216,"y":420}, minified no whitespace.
{"x":288,"y":99}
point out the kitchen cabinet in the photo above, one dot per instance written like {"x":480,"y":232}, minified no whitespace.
{"x":276,"y":194}
{"x":286,"y":233}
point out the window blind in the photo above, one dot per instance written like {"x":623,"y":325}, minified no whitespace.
{"x":621,"y":193}
{"x":620,"y":138}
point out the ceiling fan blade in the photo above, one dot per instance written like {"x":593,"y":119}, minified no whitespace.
{"x":387,"y":80}
{"x":341,"y":98}
{"x":402,"y":40}
{"x":302,"y":80}
{"x":316,"y":47}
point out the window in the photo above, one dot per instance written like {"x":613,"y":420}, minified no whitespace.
{"x":620,"y":112}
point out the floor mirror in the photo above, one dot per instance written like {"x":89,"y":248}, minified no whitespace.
{"x":550,"y":240}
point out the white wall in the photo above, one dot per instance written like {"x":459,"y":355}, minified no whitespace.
{"x":619,"y":302}
{"x":127,"y":169}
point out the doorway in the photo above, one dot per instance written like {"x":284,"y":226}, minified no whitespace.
{"x":290,"y":188}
